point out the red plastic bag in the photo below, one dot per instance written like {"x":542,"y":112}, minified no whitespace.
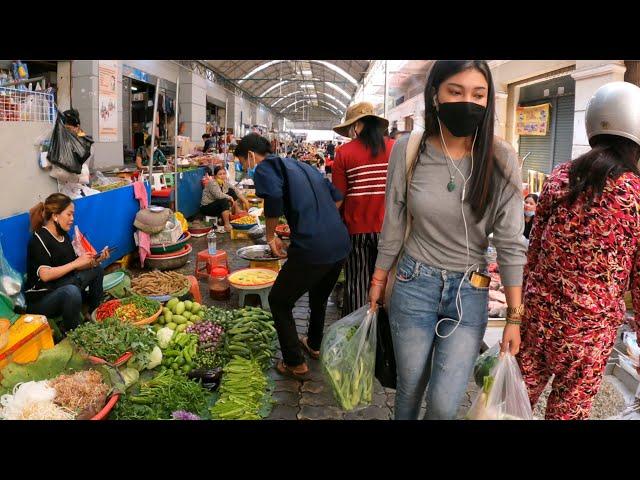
{"x":80,"y":243}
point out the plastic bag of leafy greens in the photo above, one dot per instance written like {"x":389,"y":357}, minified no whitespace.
{"x":348,"y":358}
{"x":485,"y":363}
{"x":503,"y":395}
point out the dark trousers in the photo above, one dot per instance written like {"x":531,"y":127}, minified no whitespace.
{"x":67,"y":300}
{"x":215,"y":208}
{"x":361,"y":264}
{"x":294,"y":280}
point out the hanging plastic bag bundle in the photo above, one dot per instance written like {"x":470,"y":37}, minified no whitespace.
{"x":348,"y":358}
{"x":503,"y":395}
{"x":67,"y":150}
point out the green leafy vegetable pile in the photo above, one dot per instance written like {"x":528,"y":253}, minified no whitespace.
{"x":112,"y":338}
{"x":159,"y":397}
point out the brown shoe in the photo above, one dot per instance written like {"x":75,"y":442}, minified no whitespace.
{"x":299,"y":372}
{"x":315,"y":354}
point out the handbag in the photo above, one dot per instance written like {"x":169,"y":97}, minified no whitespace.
{"x":411,"y":159}
{"x":385,"y":357}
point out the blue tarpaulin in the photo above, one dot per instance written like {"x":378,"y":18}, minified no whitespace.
{"x":105,"y":219}
{"x":190,"y":192}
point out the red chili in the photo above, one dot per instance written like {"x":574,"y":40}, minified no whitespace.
{"x":107,"y":309}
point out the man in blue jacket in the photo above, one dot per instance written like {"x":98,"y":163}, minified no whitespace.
{"x":319,"y":244}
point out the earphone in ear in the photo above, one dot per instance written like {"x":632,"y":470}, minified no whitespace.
{"x":435,"y":101}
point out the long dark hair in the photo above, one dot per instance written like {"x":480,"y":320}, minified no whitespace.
{"x":610,"y":157}
{"x":372,"y":135}
{"x":481,"y":186}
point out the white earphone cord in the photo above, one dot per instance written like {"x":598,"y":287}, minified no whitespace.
{"x":466,"y":236}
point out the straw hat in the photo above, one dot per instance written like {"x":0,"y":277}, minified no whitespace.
{"x":356,"y":112}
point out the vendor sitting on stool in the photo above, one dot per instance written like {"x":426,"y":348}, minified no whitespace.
{"x":219,"y":198}
{"x":56,"y":277}
{"x":143,"y":154}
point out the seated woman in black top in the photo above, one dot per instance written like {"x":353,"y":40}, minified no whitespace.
{"x":57,"y":278}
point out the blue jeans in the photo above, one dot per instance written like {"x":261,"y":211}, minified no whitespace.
{"x":67,"y":300}
{"x":422,"y":296}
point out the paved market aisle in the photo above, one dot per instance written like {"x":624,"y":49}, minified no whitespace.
{"x":313,"y":399}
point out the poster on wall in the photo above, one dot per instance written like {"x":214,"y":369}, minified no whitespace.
{"x":108,"y":100}
{"x":533,"y":120}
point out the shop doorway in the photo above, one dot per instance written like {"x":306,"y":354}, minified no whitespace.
{"x":545,"y":152}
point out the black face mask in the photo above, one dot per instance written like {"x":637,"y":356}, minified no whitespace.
{"x":461,"y":118}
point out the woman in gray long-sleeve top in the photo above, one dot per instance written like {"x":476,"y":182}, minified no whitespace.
{"x":438,"y":308}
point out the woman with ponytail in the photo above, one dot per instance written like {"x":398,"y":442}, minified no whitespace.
{"x":57,"y":278}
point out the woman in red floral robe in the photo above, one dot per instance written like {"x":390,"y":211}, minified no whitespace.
{"x":583,"y":257}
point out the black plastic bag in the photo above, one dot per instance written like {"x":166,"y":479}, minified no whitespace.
{"x":67,"y":150}
{"x":385,"y":357}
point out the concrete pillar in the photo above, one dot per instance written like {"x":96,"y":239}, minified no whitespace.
{"x":84,"y":98}
{"x":589,"y":76}
{"x":64,"y":86}
{"x":193,"y":104}
{"x":500,"y":127}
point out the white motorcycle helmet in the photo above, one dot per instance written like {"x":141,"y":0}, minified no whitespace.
{"x":614,"y":110}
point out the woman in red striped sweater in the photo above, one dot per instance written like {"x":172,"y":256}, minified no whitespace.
{"x":360,"y":173}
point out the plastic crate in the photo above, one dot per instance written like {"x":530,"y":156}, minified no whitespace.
{"x":28,"y":336}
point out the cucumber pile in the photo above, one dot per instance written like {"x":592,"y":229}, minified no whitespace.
{"x":250,"y":334}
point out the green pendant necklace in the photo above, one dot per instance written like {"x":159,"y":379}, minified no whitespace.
{"x":451,"y":186}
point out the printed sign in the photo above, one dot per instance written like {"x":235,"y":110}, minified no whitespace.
{"x":108,"y":100}
{"x":533,"y":120}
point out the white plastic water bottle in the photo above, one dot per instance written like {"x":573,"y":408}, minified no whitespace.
{"x":211,"y":242}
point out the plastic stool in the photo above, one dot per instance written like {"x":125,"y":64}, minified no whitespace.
{"x":205,"y":261}
{"x":169,"y":179}
{"x":263,"y":293}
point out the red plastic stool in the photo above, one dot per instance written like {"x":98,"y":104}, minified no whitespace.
{"x":195,"y":289}
{"x":205,"y":262}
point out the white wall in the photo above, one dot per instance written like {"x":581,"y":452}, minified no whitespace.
{"x":24,"y":183}
{"x":413,"y":106}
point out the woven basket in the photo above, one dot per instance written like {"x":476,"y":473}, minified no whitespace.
{"x":139,"y":323}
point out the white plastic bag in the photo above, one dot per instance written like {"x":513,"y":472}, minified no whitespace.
{"x":504,"y":394}
{"x":10,"y":281}
{"x":348,"y":358}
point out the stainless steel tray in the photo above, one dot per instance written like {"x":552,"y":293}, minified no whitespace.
{"x":257,"y":253}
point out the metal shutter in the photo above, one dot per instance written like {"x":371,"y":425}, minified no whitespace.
{"x":563,"y":143}
{"x":540,"y":148}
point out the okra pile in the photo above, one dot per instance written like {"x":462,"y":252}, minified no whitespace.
{"x":243,"y":391}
